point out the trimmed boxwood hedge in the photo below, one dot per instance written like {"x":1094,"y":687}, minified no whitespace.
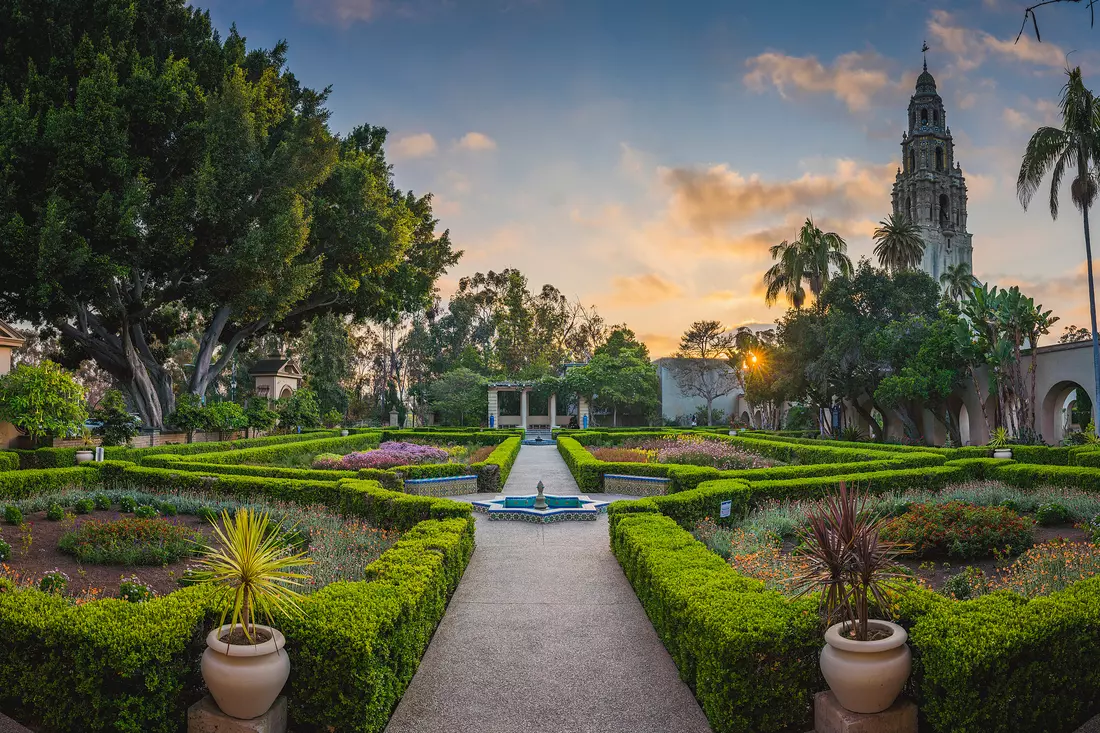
{"x":116,"y":666}
{"x":493,"y":472}
{"x":9,"y":461}
{"x":749,"y":655}
{"x":109,"y":665}
{"x":692,"y":506}
{"x":999,"y":664}
{"x":588,"y":470}
{"x":21,"y":484}
{"x":1026,"y":475}
{"x":66,"y":457}
{"x":261,"y":454}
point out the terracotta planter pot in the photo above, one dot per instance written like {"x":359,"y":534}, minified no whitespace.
{"x":1002,"y":453}
{"x":83,"y":456}
{"x":866,"y":676}
{"x":245,"y":679}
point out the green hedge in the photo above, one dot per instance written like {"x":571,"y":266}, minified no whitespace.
{"x":357,"y":646}
{"x":116,"y":666}
{"x":244,"y":469}
{"x":1026,"y":476}
{"x":21,"y":484}
{"x":504,"y":456}
{"x":910,"y":460}
{"x":931,"y":478}
{"x":588,"y":470}
{"x":749,"y":655}
{"x":1001,"y":664}
{"x":688,"y":508}
{"x":66,"y":457}
{"x":486,"y":437}
{"x":9,"y":461}
{"x":350,"y":443}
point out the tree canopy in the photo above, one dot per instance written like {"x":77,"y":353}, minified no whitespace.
{"x":150,"y":168}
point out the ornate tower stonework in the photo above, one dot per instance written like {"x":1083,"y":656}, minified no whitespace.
{"x":929,"y":188}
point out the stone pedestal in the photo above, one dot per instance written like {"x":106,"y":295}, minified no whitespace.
{"x":830,"y":717}
{"x":205,"y":717}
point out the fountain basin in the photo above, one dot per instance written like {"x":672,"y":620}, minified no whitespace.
{"x":558,"y":508}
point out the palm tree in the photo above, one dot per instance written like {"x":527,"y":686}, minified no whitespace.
{"x":900,"y":246}
{"x":810,"y":259}
{"x":1075,"y":145}
{"x":957,"y":281}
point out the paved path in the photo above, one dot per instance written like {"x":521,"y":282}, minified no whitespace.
{"x":545,"y":634}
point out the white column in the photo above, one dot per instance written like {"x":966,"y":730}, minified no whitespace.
{"x":553,"y":411}
{"x":523,"y":409}
{"x":494,"y":410}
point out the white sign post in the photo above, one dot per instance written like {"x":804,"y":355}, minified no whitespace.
{"x":727,"y":507}
{"x":99,"y":454}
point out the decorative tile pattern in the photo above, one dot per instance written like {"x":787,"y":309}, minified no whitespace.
{"x":636,"y":485}
{"x":562,"y":509}
{"x":446,"y":486}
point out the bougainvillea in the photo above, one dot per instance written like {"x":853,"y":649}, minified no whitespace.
{"x":387,"y":455}
{"x":693,"y":451}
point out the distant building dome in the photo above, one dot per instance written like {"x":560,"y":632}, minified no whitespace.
{"x":926,"y":84}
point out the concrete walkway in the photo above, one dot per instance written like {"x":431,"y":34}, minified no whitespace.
{"x":545,"y":634}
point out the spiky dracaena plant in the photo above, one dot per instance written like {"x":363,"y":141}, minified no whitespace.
{"x":846,"y":560}
{"x":254,"y":568}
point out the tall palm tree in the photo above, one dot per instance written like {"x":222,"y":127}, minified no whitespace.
{"x":900,"y":245}
{"x":808,"y":260}
{"x":957,"y":281}
{"x":1076,"y":146}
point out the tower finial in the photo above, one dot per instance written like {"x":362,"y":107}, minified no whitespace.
{"x":924,"y":50}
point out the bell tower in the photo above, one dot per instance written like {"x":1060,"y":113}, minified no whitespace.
{"x":929,"y":188}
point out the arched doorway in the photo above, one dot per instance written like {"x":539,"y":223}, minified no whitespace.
{"x":286,"y":393}
{"x":1066,"y":408}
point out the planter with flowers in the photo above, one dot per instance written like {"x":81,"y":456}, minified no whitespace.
{"x":245,"y":665}
{"x":865,"y":660}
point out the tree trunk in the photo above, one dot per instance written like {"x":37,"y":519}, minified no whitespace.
{"x":866,"y":415}
{"x":1092,"y":314}
{"x":1034,"y":399}
{"x":710,"y":401}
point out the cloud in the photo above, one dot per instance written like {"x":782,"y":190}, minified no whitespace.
{"x":660,"y":344}
{"x":414,"y":146}
{"x":717,"y":196}
{"x":476,"y":141}
{"x":853,"y":78}
{"x":649,"y":288}
{"x":1033,"y":115}
{"x":972,"y":47}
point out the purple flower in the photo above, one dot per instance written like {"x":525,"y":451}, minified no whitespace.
{"x":387,"y":455}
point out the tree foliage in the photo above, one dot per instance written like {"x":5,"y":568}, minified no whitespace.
{"x":619,"y":378}
{"x":459,"y":396}
{"x":149,"y":166}
{"x":42,"y":401}
{"x":700,"y":368}
{"x":118,"y":424}
{"x":299,"y":410}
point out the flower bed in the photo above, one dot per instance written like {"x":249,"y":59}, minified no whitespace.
{"x":129,"y":541}
{"x":387,"y":455}
{"x":961,"y":531}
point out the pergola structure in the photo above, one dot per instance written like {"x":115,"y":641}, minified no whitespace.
{"x":525,"y":419}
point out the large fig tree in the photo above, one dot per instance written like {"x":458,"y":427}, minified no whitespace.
{"x":151,"y":173}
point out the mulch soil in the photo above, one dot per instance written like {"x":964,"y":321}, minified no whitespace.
{"x":98,"y":581}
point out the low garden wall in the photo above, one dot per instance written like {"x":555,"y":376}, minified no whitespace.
{"x":449,"y":486}
{"x":635,"y":485}
{"x":114,"y":666}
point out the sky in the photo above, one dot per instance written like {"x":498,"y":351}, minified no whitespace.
{"x":643,"y":156}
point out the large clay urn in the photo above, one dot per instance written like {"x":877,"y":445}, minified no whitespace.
{"x":245,"y":679}
{"x":866,"y":676}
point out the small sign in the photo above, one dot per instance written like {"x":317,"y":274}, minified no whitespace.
{"x":727,"y":507}
{"x":99,"y":454}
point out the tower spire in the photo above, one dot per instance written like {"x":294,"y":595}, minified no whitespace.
{"x":924,"y":50}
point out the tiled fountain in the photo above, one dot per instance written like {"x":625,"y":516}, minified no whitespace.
{"x":542,"y":507}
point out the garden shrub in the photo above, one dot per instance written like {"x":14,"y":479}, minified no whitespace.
{"x":493,"y":472}
{"x":282,"y":451}
{"x":931,"y":478}
{"x":133,"y":590}
{"x":1026,"y":476}
{"x":146,"y":512}
{"x":55,"y":512}
{"x":749,"y":655}
{"x":12,"y":515}
{"x":1002,"y":664}
{"x":243,"y":469}
{"x":1051,"y":513}
{"x":21,"y":484}
{"x":9,"y":461}
{"x":958,"y":530}
{"x":5,"y":551}
{"x":130,"y":541}
{"x":84,"y":506}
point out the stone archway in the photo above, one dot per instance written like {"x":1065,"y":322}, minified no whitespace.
{"x":286,"y":393}
{"x":1057,"y":408}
